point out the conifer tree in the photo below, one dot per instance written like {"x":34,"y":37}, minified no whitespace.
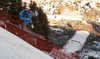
{"x":43,"y":23}
{"x":33,"y":6}
{"x":19,"y":6}
{"x":40,"y":22}
{"x":3,"y":5}
{"x":13,"y":7}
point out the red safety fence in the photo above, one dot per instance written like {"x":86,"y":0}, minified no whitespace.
{"x":58,"y":54}
{"x":36,"y":40}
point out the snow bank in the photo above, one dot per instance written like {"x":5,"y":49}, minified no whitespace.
{"x":80,"y":36}
{"x":12,"y":47}
{"x":65,"y":17}
{"x":78,"y":40}
{"x":72,"y":47}
{"x":56,"y":29}
{"x":52,"y":17}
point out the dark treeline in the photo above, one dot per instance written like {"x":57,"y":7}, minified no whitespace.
{"x":12,"y":6}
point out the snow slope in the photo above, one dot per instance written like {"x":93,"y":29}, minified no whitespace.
{"x":12,"y":47}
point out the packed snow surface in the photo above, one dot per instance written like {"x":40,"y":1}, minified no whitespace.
{"x":78,"y":40}
{"x":80,"y":36}
{"x":12,"y":47}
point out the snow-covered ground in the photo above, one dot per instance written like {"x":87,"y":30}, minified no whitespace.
{"x":65,"y":17}
{"x":76,"y":42}
{"x":12,"y":47}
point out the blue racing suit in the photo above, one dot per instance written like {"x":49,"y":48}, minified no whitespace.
{"x":27,"y":18}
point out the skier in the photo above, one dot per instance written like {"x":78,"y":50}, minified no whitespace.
{"x":27,"y":16}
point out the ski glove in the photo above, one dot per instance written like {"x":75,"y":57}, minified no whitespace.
{"x":32,"y":26}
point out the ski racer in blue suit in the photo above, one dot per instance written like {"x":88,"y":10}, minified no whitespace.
{"x":27,"y":16}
